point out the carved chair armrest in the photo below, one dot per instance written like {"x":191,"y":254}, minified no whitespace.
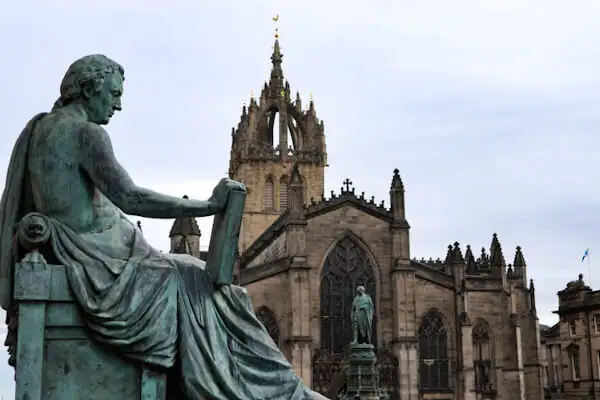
{"x":32,"y":234}
{"x":33,"y":231}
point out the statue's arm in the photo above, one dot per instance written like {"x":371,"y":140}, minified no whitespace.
{"x":98,"y":160}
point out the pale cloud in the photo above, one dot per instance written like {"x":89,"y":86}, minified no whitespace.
{"x":488,"y":108}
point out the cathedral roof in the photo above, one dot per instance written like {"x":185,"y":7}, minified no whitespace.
{"x":346,"y":197}
{"x":185,"y":226}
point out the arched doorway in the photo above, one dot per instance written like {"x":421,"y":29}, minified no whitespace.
{"x":346,"y":266}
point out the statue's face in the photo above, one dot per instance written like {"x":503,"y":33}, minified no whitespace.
{"x":102,"y":104}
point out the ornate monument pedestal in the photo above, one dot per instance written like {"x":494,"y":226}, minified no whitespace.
{"x":361,"y":375}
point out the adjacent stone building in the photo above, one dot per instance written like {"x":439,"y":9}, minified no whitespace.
{"x":572,"y":346}
{"x":464,"y":327}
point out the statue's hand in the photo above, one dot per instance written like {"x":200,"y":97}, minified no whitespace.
{"x":220,"y":193}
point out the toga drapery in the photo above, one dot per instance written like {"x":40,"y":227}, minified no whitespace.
{"x":160,"y":309}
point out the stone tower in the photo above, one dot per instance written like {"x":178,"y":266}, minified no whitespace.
{"x":274,"y":134}
{"x":185,"y":236}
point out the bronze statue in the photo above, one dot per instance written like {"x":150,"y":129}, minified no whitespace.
{"x":362,"y":317}
{"x":164,"y":310}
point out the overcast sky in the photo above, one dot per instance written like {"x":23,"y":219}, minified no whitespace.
{"x":490,"y":109}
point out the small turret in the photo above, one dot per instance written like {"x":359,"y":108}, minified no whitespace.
{"x":185,"y":236}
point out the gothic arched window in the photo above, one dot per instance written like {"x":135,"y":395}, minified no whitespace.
{"x":434,"y":365}
{"x":482,"y":356}
{"x":283,"y":193}
{"x":347,"y":266}
{"x":268,"y":319}
{"x":269,"y":193}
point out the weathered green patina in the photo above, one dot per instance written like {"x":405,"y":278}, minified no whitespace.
{"x":362,"y":317}
{"x":361,"y":373}
{"x":161,"y":310}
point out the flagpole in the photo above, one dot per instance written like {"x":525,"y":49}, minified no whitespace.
{"x":590,"y":270}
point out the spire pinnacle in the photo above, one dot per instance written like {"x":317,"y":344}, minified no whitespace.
{"x":496,"y":256}
{"x":519,"y":258}
{"x":457,"y":257}
{"x":397,"y":181}
{"x":276,"y":72}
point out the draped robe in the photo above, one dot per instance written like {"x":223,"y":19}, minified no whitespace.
{"x":362,"y":308}
{"x":155,"y":308}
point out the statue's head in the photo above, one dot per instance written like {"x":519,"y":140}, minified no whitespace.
{"x":96,"y":82}
{"x":360,"y":289}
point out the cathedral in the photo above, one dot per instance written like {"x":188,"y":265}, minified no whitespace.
{"x":464,"y":327}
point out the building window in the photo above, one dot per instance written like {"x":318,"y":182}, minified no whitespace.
{"x":283,"y":193}
{"x":434,"y":365}
{"x":267,"y":317}
{"x":269,"y":194}
{"x":574,"y":359}
{"x":346,"y":266}
{"x":596,"y":323}
{"x":482,"y":357}
{"x":572,"y":328}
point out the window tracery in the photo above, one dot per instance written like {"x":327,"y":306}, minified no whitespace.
{"x":434,"y":364}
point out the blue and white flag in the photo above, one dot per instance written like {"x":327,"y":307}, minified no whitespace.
{"x":585,"y":255}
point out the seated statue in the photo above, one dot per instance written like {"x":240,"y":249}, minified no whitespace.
{"x":163,"y":310}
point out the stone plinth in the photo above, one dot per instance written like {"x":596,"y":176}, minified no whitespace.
{"x":361,"y":375}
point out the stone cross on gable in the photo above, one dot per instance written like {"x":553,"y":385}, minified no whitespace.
{"x":347,"y":183}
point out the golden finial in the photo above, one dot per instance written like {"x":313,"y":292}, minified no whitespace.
{"x":276,"y":20}
{"x":282,"y":93}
